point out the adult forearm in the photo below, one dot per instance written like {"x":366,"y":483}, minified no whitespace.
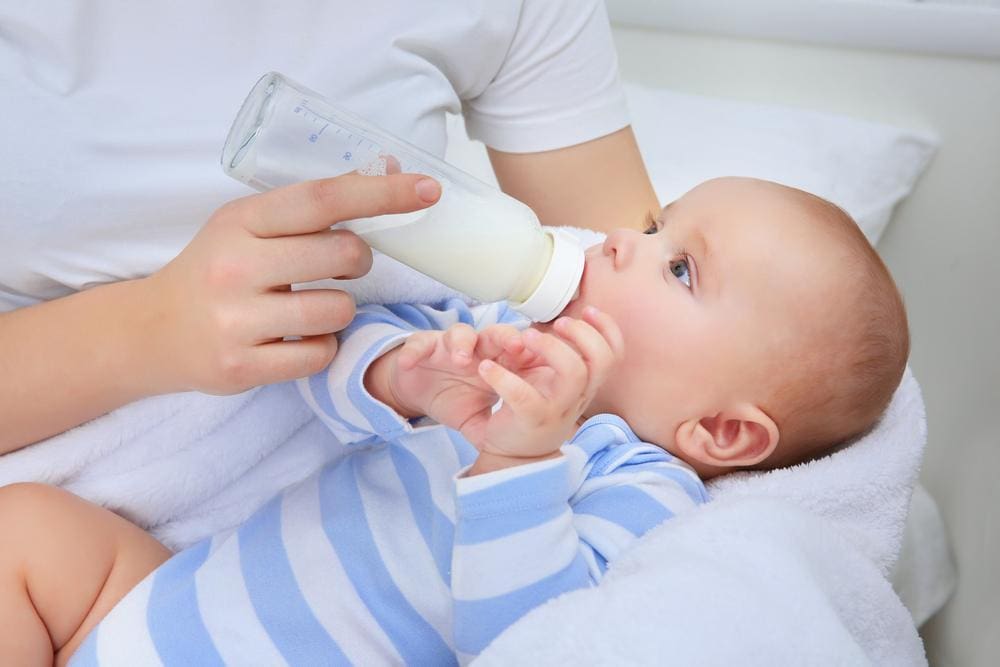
{"x":69,"y":360}
{"x":601,"y":184}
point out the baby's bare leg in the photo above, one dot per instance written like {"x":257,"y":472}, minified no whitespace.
{"x":64,"y":563}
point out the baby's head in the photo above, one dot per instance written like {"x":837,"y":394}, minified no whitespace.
{"x":761,"y":329}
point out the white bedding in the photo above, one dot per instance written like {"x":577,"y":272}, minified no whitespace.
{"x":787,"y":564}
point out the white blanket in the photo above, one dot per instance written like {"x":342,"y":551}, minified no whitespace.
{"x":781,"y":568}
{"x":785,"y":567}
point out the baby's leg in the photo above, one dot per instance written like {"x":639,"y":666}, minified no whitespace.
{"x":64,"y":563}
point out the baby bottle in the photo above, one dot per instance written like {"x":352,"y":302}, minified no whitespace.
{"x":474,"y":239}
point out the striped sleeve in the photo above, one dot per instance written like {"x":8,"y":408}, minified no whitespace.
{"x":527,"y":534}
{"x":338,"y":394}
{"x":515,"y":547}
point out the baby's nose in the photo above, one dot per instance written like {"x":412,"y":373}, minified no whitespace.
{"x":618,"y":246}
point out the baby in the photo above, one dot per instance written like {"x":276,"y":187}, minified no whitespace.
{"x":751,"y":326}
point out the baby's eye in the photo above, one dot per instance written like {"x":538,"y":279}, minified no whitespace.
{"x":679,"y":268}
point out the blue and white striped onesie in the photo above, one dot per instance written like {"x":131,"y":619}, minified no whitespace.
{"x":388,"y":555}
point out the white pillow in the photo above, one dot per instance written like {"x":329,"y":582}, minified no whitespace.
{"x":864,"y":167}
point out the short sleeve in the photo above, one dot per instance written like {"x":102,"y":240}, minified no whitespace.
{"x":558,"y":84}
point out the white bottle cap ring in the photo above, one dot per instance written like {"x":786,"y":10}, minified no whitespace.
{"x":561,"y":279}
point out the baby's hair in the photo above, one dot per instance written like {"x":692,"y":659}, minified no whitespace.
{"x":837,"y":391}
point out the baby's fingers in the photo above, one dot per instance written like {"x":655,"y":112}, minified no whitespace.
{"x":561,"y":358}
{"x":496,"y":339}
{"x":608,"y":328}
{"x":460,"y":341}
{"x":523,"y":399}
{"x":418,"y":346}
{"x":598,"y":351}
{"x":516,"y":356}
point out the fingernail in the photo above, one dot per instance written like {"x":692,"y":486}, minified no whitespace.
{"x":590,"y":310}
{"x":428,"y":189}
{"x":530,"y":334}
{"x":486,"y":365}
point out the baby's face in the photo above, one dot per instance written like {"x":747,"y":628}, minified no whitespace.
{"x":706,"y":301}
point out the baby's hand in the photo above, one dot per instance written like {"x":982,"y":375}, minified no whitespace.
{"x":544,"y":398}
{"x":436,"y":373}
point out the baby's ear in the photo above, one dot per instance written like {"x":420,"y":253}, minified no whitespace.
{"x":743,"y":435}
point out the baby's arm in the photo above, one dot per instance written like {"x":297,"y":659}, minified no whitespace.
{"x":527,"y":529}
{"x":64,"y":563}
{"x":529,"y":533}
{"x":356,"y":410}
{"x":515,"y":547}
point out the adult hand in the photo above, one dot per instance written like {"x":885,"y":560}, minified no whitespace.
{"x":224,"y":304}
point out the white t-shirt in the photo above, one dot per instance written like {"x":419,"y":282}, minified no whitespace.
{"x":114,"y":113}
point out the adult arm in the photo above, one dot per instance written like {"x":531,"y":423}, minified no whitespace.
{"x":555,"y":119}
{"x":600,"y":184}
{"x":212,"y":320}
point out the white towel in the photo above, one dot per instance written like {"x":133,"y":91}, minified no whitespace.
{"x":784,"y":567}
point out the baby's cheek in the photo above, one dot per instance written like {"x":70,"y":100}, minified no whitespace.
{"x":652,"y":423}
{"x":634,"y":313}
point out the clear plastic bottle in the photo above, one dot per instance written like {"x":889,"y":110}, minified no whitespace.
{"x":474,"y":239}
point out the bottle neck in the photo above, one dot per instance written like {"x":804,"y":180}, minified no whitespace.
{"x":560,"y":280}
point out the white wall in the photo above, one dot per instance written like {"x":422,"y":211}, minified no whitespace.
{"x":943,"y":248}
{"x":957,"y":27}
